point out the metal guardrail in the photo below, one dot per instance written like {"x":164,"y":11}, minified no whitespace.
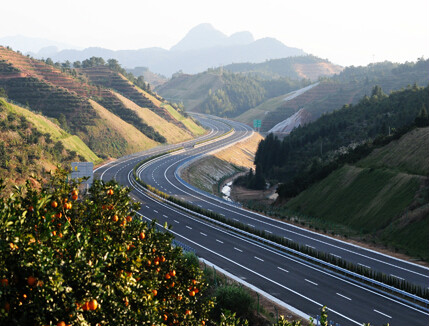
{"x":306,"y":257}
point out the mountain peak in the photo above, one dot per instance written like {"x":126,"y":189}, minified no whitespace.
{"x":205,"y":36}
{"x":200,"y":37}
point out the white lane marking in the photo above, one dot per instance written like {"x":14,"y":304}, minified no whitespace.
{"x":146,"y":206}
{"x":335,"y":255}
{"x":203,"y":234}
{"x":219,"y":241}
{"x":268,"y":231}
{"x":401,"y":278}
{"x":344,"y":296}
{"x":310,"y":246}
{"x":288,"y":238}
{"x":266,"y":278}
{"x":364,"y":265}
{"x":311,"y":282}
{"x":301,"y":234}
{"x":250,"y":225}
{"x":282,"y":269}
{"x":236,"y":220}
{"x":188,"y":227}
{"x":176,"y":221}
{"x":381,"y":313}
{"x":258,"y":258}
{"x":155,"y":211}
{"x":238,"y":249}
{"x":165,"y":216}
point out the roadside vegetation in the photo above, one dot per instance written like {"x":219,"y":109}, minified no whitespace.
{"x":74,"y":258}
{"x":360,"y":172}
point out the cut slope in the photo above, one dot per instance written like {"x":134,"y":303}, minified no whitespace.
{"x":383,"y":195}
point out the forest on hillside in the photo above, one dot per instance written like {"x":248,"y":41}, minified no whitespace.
{"x":241,"y":92}
{"x":309,"y":153}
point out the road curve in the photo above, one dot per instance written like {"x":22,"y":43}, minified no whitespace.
{"x":286,"y":278}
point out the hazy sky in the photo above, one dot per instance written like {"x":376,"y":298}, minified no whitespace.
{"x":347,"y":32}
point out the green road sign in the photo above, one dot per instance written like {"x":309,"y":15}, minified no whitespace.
{"x":257,"y":124}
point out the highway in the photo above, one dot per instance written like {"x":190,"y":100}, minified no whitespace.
{"x":290,"y":280}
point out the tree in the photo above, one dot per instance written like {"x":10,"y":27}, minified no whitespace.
{"x":89,"y":259}
{"x":422,"y":120}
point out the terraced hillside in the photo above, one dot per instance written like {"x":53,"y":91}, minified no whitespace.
{"x":78,"y":105}
{"x":348,"y":87}
{"x":31,"y":143}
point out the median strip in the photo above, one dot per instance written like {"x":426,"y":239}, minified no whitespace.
{"x":333,"y":262}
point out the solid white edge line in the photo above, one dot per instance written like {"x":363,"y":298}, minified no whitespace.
{"x":258,"y":290}
{"x":320,"y":271}
{"x":256,"y":273}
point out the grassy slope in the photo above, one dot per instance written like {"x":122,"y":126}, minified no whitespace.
{"x":187,"y":122}
{"x":171,"y":132}
{"x":374,"y":197}
{"x":261,"y":110}
{"x":127,"y":138}
{"x":44,"y":125}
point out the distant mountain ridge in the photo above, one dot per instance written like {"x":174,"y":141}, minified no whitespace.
{"x":205,"y":36}
{"x":202,"y":48}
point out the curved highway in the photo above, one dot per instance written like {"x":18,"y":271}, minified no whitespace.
{"x":288,"y":279}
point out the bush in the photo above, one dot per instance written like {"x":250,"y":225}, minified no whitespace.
{"x":235,"y":299}
{"x":89,"y":259}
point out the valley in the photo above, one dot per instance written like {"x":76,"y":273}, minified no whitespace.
{"x":327,"y":165}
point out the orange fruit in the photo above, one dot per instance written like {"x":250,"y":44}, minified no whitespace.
{"x":155,"y":292}
{"x":110,"y":192}
{"x":54,"y":204}
{"x":31,"y":209}
{"x":173,"y":273}
{"x":4,"y":282}
{"x":85,"y":306}
{"x":74,"y":197}
{"x":129,"y":218}
{"x":192,"y":293}
{"x":167,"y":276}
{"x":115,"y":218}
{"x":61,"y":323}
{"x":93,"y":304}
{"x":31,"y":280}
{"x":142,"y":235}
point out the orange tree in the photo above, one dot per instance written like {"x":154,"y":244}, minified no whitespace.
{"x":72,"y":259}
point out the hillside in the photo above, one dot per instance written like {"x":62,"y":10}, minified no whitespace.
{"x":384,"y":196}
{"x":297,"y":67}
{"x":31,"y":143}
{"x":311,"y":151}
{"x":224,"y":93}
{"x":348,"y":87}
{"x":78,"y":99}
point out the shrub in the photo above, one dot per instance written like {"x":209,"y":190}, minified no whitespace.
{"x":89,"y":259}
